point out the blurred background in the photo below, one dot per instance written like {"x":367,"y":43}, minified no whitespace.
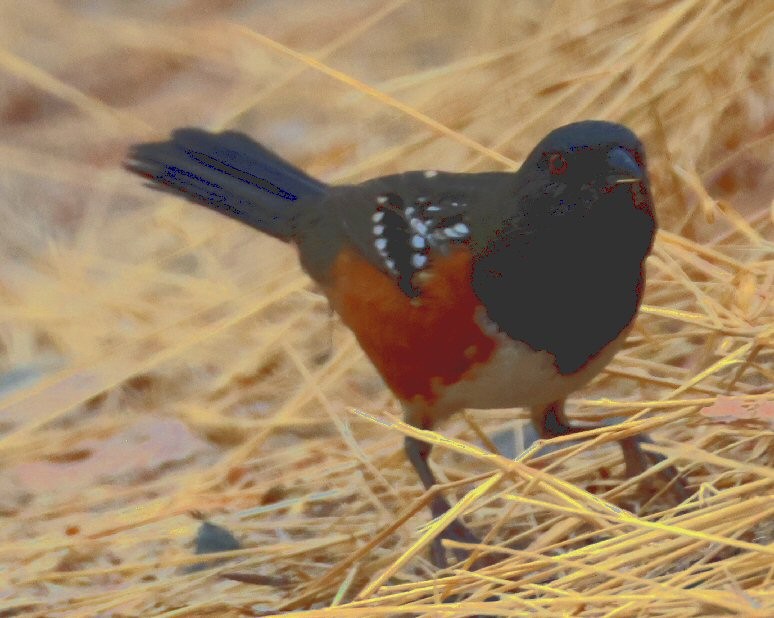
{"x":160,"y":364}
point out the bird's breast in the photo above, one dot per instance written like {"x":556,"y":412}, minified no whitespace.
{"x":439,"y":352}
{"x":420,"y":345}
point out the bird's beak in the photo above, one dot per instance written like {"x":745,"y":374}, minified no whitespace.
{"x":623,"y":167}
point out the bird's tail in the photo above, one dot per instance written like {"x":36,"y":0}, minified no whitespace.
{"x":230,"y":173}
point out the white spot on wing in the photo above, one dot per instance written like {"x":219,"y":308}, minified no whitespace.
{"x":419,"y":227}
{"x":378,"y":230}
{"x":418,"y":260}
{"x":377,"y":216}
{"x":380,"y":244}
{"x":430,"y":174}
{"x":417,"y":241}
{"x":382,"y":199}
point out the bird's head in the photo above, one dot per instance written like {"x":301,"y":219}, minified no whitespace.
{"x":588,"y":168}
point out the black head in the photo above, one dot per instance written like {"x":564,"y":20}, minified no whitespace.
{"x":587,"y":166}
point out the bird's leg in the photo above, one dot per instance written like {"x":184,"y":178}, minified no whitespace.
{"x":418,"y":452}
{"x":550,"y":421}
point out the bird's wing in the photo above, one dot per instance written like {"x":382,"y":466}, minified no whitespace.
{"x":401,"y":223}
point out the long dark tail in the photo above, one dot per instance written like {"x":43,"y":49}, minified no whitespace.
{"x":230,"y":173}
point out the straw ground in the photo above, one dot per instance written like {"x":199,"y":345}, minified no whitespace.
{"x":160,"y":362}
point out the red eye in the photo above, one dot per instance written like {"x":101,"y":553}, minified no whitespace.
{"x":557,"y":164}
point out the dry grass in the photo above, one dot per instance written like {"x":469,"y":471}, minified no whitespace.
{"x":158,"y":359}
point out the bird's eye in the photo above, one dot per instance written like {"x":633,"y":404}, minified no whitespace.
{"x":557,"y":164}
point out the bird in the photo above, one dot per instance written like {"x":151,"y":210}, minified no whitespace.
{"x":489,"y":290}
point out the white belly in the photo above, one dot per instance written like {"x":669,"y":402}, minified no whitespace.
{"x":515,"y":376}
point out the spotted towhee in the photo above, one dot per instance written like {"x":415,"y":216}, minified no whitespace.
{"x":489,"y":290}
